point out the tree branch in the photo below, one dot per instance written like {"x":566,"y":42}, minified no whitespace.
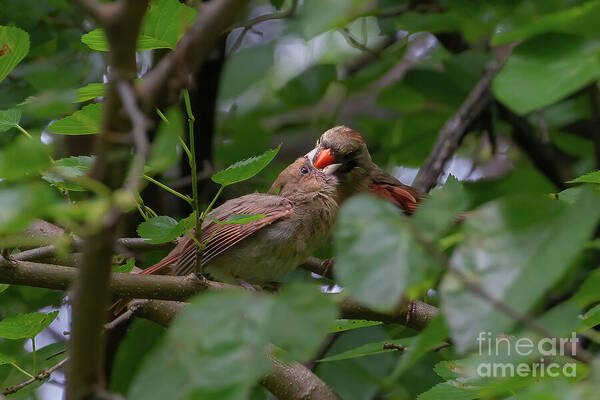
{"x":39,"y":377}
{"x":85,"y":378}
{"x":453,"y":130}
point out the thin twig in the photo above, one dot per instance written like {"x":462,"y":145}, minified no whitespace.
{"x":262,"y":18}
{"x":39,"y":377}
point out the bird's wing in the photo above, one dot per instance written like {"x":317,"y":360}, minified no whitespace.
{"x":402,"y":196}
{"x":218,"y":238}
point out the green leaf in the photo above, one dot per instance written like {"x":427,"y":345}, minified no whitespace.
{"x":4,"y":359}
{"x":299,"y":336}
{"x":580,"y":19}
{"x":24,"y":157}
{"x":9,"y":119}
{"x":21,"y":204}
{"x":21,"y":326}
{"x":164,"y":152}
{"x":441,"y":209}
{"x":545,"y":69}
{"x":68,"y":168}
{"x":240,"y":219}
{"x":515,"y":249}
{"x":246,"y":169}
{"x":209,"y":352}
{"x":14,"y":46}
{"x":588,"y":292}
{"x":308,"y":87}
{"x":590,"y":177}
{"x":160,"y":229}
{"x":314,"y":17}
{"x":3,"y":287}
{"x":125,"y":268}
{"x":590,"y":319}
{"x":434,"y":334}
{"x":244,"y":68}
{"x":83,"y":122}
{"x":162,"y":27}
{"x":141,"y":337}
{"x":402,"y":98}
{"x":370,"y":349}
{"x":451,"y":390}
{"x":449,"y":370}
{"x":342,"y":325}
{"x":371,"y":231}
{"x":90,"y":92}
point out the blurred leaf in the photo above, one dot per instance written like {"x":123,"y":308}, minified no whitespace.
{"x":588,"y":292}
{"x":164,"y":152}
{"x":515,"y":249}
{"x":412,"y":21}
{"x":23,"y":157}
{"x":441,"y":208}
{"x":240,"y":219}
{"x":370,"y":349}
{"x":277,"y":4}
{"x":299,"y":336}
{"x":210,"y":352}
{"x":141,"y":337}
{"x":83,"y":122}
{"x":590,"y":319}
{"x":68,"y":168}
{"x":371,"y":231}
{"x":246,"y":169}
{"x":9,"y":119}
{"x":314,"y":17}
{"x":591,"y":177}
{"x":21,"y":204}
{"x":451,"y":390}
{"x":537,"y":75}
{"x":14,"y":46}
{"x":434,"y":334}
{"x":342,"y":325}
{"x":308,"y":87}
{"x":448,"y":370}
{"x":580,"y":19}
{"x":49,"y":104}
{"x":3,"y":287}
{"x":244,"y":68}
{"x":160,"y":229}
{"x":4,"y":359}
{"x":20,"y":326}
{"x":163,"y":25}
{"x":402,"y":98}
{"x":90,"y":92}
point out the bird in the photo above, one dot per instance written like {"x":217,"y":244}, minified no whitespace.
{"x":295,"y":222}
{"x":357,"y":172}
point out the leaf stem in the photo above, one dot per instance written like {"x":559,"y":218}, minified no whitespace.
{"x":168,"y":189}
{"x":212,"y":203}
{"x":21,"y":369}
{"x":23,"y":131}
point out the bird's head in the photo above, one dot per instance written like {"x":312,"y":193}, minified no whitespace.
{"x":302,"y":179}
{"x":340,"y":146}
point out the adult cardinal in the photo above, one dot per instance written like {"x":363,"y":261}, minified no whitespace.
{"x":295,"y":223}
{"x":357,"y":172}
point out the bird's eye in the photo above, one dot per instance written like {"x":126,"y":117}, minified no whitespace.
{"x":304,"y":170}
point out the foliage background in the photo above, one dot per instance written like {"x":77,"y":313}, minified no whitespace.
{"x":395,"y":71}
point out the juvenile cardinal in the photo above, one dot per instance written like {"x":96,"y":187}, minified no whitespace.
{"x":295,"y":223}
{"x":357,"y":172}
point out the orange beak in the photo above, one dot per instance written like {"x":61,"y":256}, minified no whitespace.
{"x":324,"y":158}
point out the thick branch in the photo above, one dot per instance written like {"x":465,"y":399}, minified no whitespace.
{"x":122,"y":285}
{"x":85,"y":379}
{"x":163,"y":83}
{"x":453,"y":130}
